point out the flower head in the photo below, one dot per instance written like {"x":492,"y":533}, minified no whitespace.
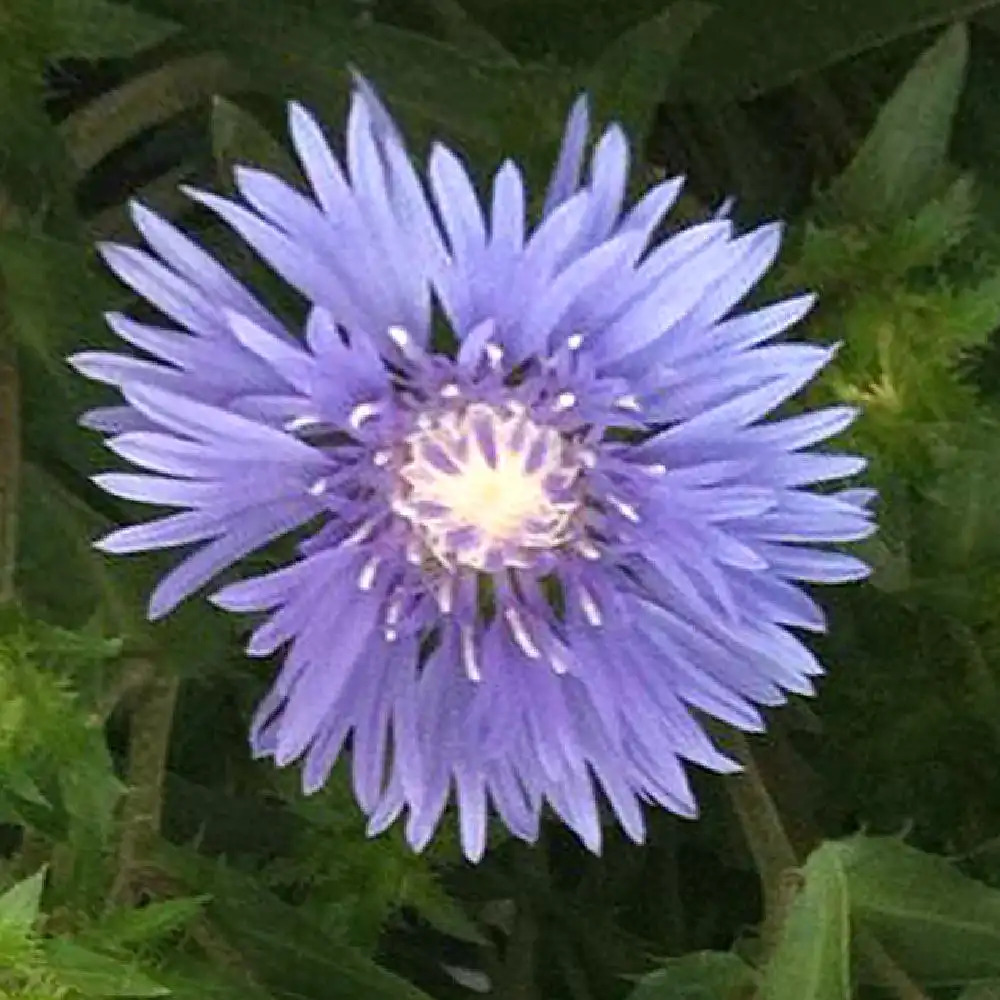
{"x":546,"y":519}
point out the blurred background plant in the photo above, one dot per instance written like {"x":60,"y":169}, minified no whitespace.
{"x":142,"y":853}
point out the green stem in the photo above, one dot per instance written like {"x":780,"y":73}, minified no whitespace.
{"x":770,"y":847}
{"x":109,"y":122}
{"x":10,"y":438}
{"x":10,"y":462}
{"x":135,"y":675}
{"x":151,"y":724}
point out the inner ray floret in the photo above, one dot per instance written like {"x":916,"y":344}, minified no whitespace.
{"x":487,"y":487}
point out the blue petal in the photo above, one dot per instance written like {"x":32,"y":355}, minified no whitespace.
{"x":608,"y":177}
{"x":458,"y":205}
{"x":650,"y":210}
{"x":320,"y":165}
{"x":814,"y":565}
{"x":191,"y":262}
{"x":566,"y":177}
{"x":167,"y":532}
{"x":254,"y":530}
{"x":295,"y":262}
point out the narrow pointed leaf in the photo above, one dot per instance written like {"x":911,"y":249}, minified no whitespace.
{"x":102,"y":29}
{"x":755,"y":46}
{"x":96,"y":975}
{"x":902,"y":162}
{"x":240,"y":139}
{"x":629,"y":80}
{"x":132,"y":926}
{"x":19,"y":904}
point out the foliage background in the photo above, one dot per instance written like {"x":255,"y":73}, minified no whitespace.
{"x":142,"y":853}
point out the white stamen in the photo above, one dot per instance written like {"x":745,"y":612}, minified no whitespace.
{"x":394,"y":612}
{"x":450,"y":391}
{"x":360,"y":534}
{"x":361,"y":413}
{"x":301,"y":423}
{"x":413,"y":556}
{"x":590,"y":609}
{"x":520,"y":633}
{"x":588,"y":549}
{"x":401,"y":508}
{"x":657,"y":469}
{"x":399,"y":336}
{"x":558,"y":664}
{"x":318,"y":488}
{"x":625,"y":509}
{"x":575,"y":341}
{"x":587,"y":459}
{"x":628,"y":402}
{"x":564,"y":401}
{"x":381,"y":458}
{"x":469,"y":658}
{"x":391,"y":635}
{"x":446,"y":595}
{"x":366,"y":578}
{"x":494,"y":353}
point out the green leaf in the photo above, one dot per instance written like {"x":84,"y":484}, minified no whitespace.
{"x":65,"y":579}
{"x":290,"y":951}
{"x":238,"y":138}
{"x":752,"y":46}
{"x":51,"y":286}
{"x":458,"y":28}
{"x":90,"y":789}
{"x":976,"y":140}
{"x":904,"y":158}
{"x":145,"y":924}
{"x":429,"y":898}
{"x":34,"y":170}
{"x":942,"y":927}
{"x":100,"y":29}
{"x":924,"y":238}
{"x":281,"y":948}
{"x":96,"y":975}
{"x":982,"y":991}
{"x":702,"y":975}
{"x":812,"y":959}
{"x":630,"y":78}
{"x":194,"y":979}
{"x":491,"y":104}
{"x":15,"y":779}
{"x":19,"y":905}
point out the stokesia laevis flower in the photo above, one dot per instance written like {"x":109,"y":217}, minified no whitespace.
{"x":546,"y":519}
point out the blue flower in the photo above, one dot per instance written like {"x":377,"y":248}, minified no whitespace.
{"x":545,"y":522}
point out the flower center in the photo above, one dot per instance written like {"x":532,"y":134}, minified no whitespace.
{"x":486,"y":487}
